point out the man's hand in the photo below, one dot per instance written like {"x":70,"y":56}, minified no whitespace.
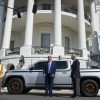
{"x":53,"y":75}
{"x":44,"y":74}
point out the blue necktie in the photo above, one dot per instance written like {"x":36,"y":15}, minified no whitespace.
{"x":49,"y":66}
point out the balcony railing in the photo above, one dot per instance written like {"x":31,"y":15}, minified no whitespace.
{"x":70,"y":51}
{"x":14,"y":51}
{"x":42,"y":50}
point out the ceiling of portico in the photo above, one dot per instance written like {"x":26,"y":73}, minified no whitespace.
{"x":97,"y":2}
{"x":68,"y":3}
{"x":19,"y":24}
{"x":67,"y":21}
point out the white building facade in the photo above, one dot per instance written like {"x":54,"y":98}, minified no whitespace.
{"x":59,"y":28}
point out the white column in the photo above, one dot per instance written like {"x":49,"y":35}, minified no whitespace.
{"x":81,"y":26}
{"x":95,"y":47}
{"x":58,"y":49}
{"x":27,"y":48}
{"x":8,"y":26}
{"x":57,"y":23}
{"x":81,"y":29}
{"x":29,"y":24}
{"x":1,"y":22}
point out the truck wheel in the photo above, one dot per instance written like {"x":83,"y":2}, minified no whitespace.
{"x":15,"y":86}
{"x":26,"y":90}
{"x":89,"y":88}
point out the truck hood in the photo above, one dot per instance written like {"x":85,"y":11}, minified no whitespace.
{"x":19,"y":70}
{"x":90,"y":70}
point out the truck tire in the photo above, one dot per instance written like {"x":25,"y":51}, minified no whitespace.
{"x":89,"y":88}
{"x":15,"y":86}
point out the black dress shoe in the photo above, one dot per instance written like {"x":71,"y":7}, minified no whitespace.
{"x":73,"y":96}
{"x":77,"y":97}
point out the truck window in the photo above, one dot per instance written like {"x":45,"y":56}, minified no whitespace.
{"x":39,"y":65}
{"x":61,"y":65}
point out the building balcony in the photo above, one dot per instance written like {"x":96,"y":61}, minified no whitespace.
{"x":42,"y":50}
{"x":70,"y":51}
{"x":38,"y":50}
{"x":51,"y":7}
{"x":13,"y":51}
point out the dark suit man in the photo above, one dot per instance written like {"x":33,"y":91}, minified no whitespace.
{"x":75,"y":75}
{"x":49,"y":73}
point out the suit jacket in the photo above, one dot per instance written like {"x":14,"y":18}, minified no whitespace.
{"x":75,"y":67}
{"x":52,"y":69}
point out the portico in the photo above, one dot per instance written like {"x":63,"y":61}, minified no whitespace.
{"x":57,"y":47}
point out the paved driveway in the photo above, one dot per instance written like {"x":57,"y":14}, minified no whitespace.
{"x":39,"y":95}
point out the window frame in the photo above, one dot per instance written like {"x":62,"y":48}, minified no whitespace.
{"x":44,"y":34}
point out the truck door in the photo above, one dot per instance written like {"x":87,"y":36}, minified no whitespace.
{"x":36,"y":76}
{"x":62,"y":76}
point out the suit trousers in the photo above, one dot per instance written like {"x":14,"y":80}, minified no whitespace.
{"x":48,"y":84}
{"x":76,"y":86}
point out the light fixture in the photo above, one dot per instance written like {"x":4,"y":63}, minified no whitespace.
{"x":35,"y":6}
{"x":17,"y":10}
{"x":18,"y":13}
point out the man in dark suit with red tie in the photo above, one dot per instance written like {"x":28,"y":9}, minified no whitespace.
{"x":49,"y":73}
{"x":75,"y":75}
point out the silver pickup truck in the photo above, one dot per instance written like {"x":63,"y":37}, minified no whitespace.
{"x":23,"y":80}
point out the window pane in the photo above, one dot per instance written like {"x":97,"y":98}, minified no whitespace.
{"x":67,"y":42}
{"x":39,"y":65}
{"x":61,"y":65}
{"x":46,"y":6}
{"x":11,"y":45}
{"x":45,"y":40}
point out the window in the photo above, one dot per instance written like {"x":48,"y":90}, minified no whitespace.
{"x":39,"y":65}
{"x":46,"y":7}
{"x":45,"y":40}
{"x":11,"y":45}
{"x":67,"y":42}
{"x":61,"y":65}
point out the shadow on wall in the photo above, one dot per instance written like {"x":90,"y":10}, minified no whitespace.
{"x":10,"y":66}
{"x":96,"y":42}
{"x":94,"y":63}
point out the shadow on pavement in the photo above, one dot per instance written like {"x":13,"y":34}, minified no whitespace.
{"x":67,"y":95}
